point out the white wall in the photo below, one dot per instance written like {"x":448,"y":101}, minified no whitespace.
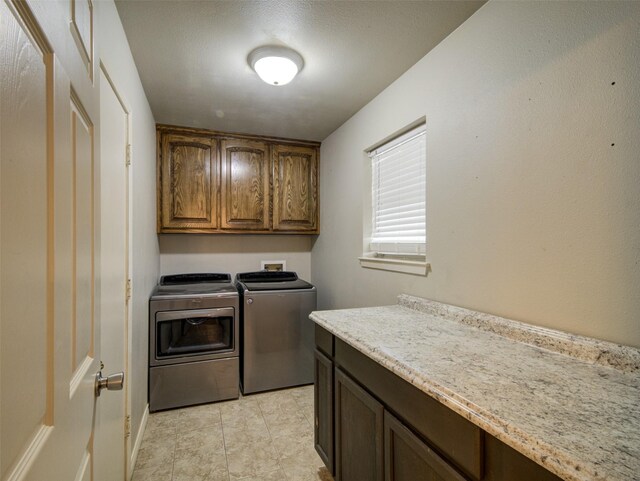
{"x":533,"y":171}
{"x":116,"y":56}
{"x":212,"y":253}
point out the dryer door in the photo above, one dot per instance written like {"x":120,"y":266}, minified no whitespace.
{"x":192,"y":335}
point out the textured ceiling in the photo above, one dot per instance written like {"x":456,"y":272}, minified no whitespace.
{"x":191,"y":56}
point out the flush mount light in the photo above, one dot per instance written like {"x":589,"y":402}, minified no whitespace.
{"x":275,"y":65}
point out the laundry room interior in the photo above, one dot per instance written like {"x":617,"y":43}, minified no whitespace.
{"x":305,"y":240}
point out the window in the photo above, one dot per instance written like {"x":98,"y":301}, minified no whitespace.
{"x":398,"y":199}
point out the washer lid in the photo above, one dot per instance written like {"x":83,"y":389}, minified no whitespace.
{"x":194,"y":285}
{"x":194,"y":290}
{"x":194,"y":278}
{"x":267,"y":276}
{"x":271,"y":281}
{"x":276,"y":286}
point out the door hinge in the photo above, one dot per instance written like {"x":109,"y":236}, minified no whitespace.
{"x":128,"y":290}
{"x":127,"y":426}
{"x":128,"y":161}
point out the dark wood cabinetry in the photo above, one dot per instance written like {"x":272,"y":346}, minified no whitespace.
{"x":220,"y":183}
{"x":323,"y":409}
{"x":446,"y":431}
{"x":188,"y":199}
{"x":384,"y":426}
{"x":295,"y":188}
{"x":245,"y":185}
{"x":358,"y":432}
{"x":503,"y":463}
{"x":408,"y":458}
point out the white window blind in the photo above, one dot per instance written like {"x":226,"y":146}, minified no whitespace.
{"x":399,"y":195}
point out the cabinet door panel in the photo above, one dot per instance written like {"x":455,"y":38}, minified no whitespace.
{"x":407,"y":458}
{"x":505,"y":463}
{"x":189,"y":179}
{"x":358,"y":432}
{"x":245,"y":185}
{"x":457,"y":438}
{"x":295,"y":188}
{"x":323,"y":409}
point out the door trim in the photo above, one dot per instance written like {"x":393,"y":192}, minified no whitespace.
{"x":128,"y":334}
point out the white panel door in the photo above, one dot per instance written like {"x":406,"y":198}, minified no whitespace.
{"x":49,"y":243}
{"x":25,"y":309}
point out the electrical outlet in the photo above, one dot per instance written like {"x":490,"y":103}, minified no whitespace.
{"x":273,"y":265}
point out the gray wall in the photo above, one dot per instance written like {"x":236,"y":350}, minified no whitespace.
{"x":233,"y":253}
{"x":533,"y":203}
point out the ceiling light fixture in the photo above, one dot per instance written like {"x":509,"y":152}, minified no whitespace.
{"x":275,"y":65}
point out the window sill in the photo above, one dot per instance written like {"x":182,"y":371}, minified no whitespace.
{"x":419,"y":268}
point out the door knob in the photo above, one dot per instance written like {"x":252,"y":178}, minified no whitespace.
{"x":112,"y":383}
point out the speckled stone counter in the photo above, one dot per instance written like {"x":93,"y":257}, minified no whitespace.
{"x":570,"y":403}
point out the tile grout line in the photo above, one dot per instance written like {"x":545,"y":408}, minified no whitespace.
{"x":302,"y":410}
{"x":224,"y":444}
{"x":300,"y":407}
{"x":271,"y":440}
{"x":175,"y":446}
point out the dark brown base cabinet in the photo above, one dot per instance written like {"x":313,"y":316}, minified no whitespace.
{"x":407,"y":458}
{"x":358,"y":432}
{"x":323,"y":409}
{"x":371,"y":425}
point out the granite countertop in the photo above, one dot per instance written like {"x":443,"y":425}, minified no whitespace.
{"x":570,"y":403}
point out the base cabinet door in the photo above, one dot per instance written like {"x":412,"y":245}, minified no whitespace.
{"x":384,"y":428}
{"x":323,"y":409}
{"x":358,"y":432}
{"x":407,"y":458}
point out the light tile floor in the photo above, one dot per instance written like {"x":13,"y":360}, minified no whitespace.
{"x":261,"y":437}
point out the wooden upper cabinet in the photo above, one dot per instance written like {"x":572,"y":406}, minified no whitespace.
{"x":295,"y":188}
{"x":212,"y":182}
{"x":189,"y":174}
{"x":245,"y":185}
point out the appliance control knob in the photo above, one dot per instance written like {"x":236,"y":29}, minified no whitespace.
{"x":249,"y":301}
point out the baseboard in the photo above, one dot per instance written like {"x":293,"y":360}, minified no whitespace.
{"x":138,"y":441}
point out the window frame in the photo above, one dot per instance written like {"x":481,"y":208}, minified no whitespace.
{"x":412,"y":260}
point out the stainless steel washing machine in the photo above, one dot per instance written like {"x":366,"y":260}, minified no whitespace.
{"x":193,"y":340}
{"x":277,"y":334}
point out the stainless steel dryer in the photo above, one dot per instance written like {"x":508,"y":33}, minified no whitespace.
{"x":277,"y":334}
{"x":193,"y":340}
